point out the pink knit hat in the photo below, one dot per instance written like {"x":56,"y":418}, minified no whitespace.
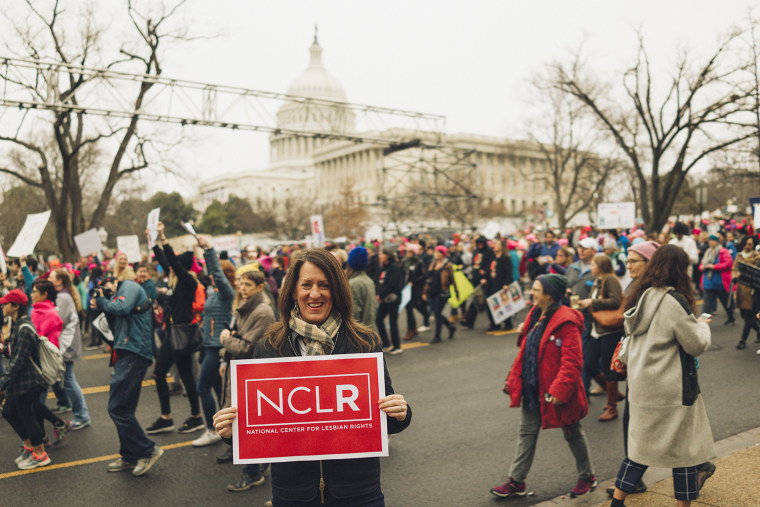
{"x":442,"y":249}
{"x":645,"y":249}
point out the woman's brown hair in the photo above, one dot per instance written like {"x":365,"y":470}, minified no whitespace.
{"x":65,"y":279}
{"x":361,"y":336}
{"x":603,"y":263}
{"x":668,"y":267}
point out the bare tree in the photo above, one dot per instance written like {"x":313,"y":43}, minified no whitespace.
{"x":82,"y":143}
{"x":666,"y":132}
{"x":347,"y":216}
{"x":566,"y":138}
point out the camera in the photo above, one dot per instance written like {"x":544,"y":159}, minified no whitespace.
{"x":95,"y":292}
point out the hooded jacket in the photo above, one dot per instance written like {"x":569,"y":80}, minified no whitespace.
{"x":560,"y":361}
{"x":70,"y":341}
{"x":669,"y":426}
{"x":133,"y":332}
{"x":46,"y":320}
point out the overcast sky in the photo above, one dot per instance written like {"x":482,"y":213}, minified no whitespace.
{"x":468,"y":60}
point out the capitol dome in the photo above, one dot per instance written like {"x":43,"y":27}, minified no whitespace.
{"x":315,"y":81}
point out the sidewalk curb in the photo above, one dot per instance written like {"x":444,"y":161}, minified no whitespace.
{"x":723,"y":448}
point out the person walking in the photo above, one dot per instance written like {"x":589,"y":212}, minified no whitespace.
{"x":440,"y":278}
{"x":747,"y":298}
{"x":178,"y":312}
{"x":388,"y":297}
{"x":415,"y":276}
{"x":130,"y":319}
{"x":69,"y":305}
{"x":316,"y":320}
{"x":606,"y":294}
{"x":362,"y":288}
{"x":669,"y":427}
{"x":22,"y":385}
{"x":217,"y":317}
{"x":716,"y":278}
{"x":501,"y":277}
{"x":545,"y":379}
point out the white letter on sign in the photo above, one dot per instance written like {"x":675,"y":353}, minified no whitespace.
{"x":260,"y":395}
{"x":320,"y":410}
{"x":290,"y":400}
{"x":341,"y":399}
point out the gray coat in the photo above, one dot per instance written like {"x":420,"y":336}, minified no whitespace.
{"x":664,"y":432}
{"x":363,"y":296}
{"x":70,"y":341}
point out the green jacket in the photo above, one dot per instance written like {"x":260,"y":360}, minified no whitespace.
{"x":363,"y":295}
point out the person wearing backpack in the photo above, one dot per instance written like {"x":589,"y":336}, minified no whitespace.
{"x":22,"y":384}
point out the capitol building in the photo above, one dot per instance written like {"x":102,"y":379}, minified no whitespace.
{"x":491,"y":173}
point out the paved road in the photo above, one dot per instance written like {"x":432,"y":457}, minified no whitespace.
{"x":460,"y":443}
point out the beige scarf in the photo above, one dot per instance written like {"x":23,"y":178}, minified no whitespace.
{"x":320,"y":340}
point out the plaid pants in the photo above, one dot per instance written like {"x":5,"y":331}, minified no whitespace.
{"x":684,"y":479}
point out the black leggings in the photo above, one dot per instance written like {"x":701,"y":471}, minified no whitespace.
{"x":750,"y":322}
{"x":22,"y":412}
{"x":597,"y":355}
{"x":184,"y":362}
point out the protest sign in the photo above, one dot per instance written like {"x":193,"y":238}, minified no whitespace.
{"x":506,"y":303}
{"x":3,"y":265}
{"x":153,"y":226}
{"x":29,"y":235}
{"x":460,"y":290}
{"x":616,"y":215}
{"x":308,"y":408}
{"x":101,"y":324}
{"x":130,"y":245}
{"x":406,"y":297}
{"x":317,"y":230}
{"x":88,"y":242}
{"x":749,"y":275}
{"x":229,"y":244}
{"x":189,"y":228}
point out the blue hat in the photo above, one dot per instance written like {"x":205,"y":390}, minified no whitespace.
{"x":358,"y":258}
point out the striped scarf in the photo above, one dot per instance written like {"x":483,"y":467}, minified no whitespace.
{"x":320,"y":340}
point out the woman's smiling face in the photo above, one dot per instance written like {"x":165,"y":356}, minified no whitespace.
{"x":312,"y":293}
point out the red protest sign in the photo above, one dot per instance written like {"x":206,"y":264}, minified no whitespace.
{"x":308,"y":408}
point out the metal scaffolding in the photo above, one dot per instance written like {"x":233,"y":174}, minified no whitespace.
{"x":415,"y":148}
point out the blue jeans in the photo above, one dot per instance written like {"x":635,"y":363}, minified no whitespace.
{"x":74,"y":394}
{"x":208,"y":380}
{"x":128,"y":374}
{"x":710,"y":301}
{"x":372,"y":499}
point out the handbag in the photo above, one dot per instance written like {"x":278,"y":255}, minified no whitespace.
{"x":619,"y":357}
{"x":185,"y":337}
{"x":610,"y":318}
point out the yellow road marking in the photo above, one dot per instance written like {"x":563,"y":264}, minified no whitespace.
{"x":105,"y":389}
{"x":81,"y":462}
{"x":97,"y":356}
{"x":502,"y":332}
{"x":414,"y":345}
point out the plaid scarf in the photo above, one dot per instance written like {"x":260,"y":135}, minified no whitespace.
{"x":320,"y":340}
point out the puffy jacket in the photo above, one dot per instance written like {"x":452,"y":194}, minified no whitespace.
{"x":71,"y":336}
{"x":559,"y":369}
{"x":218,"y":310}
{"x":46,"y":320}
{"x":344,"y":478}
{"x":133,"y":332}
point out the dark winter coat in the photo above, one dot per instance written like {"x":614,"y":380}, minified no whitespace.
{"x":21,"y":376}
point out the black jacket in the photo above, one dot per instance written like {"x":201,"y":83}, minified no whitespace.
{"x":501,"y":273}
{"x":391,"y":280}
{"x":344,"y":478}
{"x":481,"y":264}
{"x":179,"y":307}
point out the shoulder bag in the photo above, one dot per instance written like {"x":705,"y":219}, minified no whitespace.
{"x":186,"y":337}
{"x":610,"y":318}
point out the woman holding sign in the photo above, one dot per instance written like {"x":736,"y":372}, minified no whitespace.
{"x":316,"y":319}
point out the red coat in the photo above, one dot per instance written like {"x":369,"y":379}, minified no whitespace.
{"x":559,"y":369}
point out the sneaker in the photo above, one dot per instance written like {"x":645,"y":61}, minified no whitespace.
{"x":730,"y":322}
{"x":34,"y":461}
{"x":191,"y":424}
{"x":78,"y":425}
{"x":145,"y":464}
{"x":209,"y":437}
{"x":397,"y":351}
{"x":584,"y":487}
{"x":509,"y":489}
{"x":422,"y":329}
{"x":160,"y":426}
{"x":704,"y":472}
{"x":61,"y":409}
{"x":25,"y":453}
{"x":246,"y":482}
{"x":388,"y":348}
{"x":60,"y":433}
{"x":119,"y":465}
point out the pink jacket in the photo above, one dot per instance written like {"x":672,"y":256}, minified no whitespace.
{"x":723,"y":266}
{"x":47,"y":321}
